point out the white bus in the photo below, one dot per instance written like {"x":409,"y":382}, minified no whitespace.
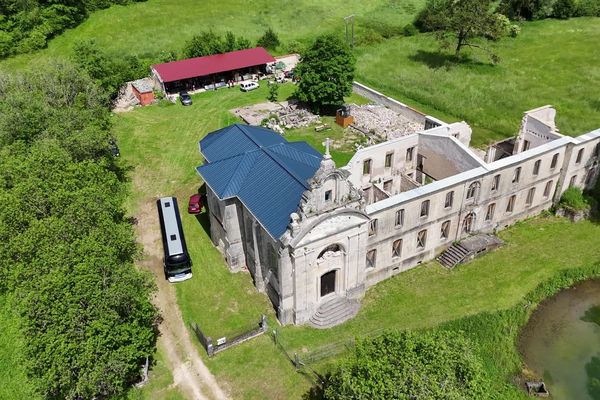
{"x":176,"y":262}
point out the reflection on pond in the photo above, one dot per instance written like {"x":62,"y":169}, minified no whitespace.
{"x":561,"y":343}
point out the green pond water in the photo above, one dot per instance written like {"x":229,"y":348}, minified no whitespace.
{"x":561,"y":343}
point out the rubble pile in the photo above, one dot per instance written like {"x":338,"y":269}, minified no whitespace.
{"x":292,"y":116}
{"x":373,"y":119}
{"x":277,"y":116}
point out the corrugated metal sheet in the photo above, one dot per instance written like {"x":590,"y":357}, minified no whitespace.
{"x":259,"y":167}
{"x":202,"y":66}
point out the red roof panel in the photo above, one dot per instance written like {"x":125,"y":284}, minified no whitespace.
{"x":202,"y":66}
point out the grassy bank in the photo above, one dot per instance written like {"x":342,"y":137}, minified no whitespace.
{"x":13,"y":379}
{"x":550,"y":62}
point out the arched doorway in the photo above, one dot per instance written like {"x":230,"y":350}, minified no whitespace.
{"x":328,"y":283}
{"x":468,"y":223}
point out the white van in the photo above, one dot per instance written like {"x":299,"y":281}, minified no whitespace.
{"x":248,"y":86}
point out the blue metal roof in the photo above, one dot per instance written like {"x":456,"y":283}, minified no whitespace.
{"x":262,"y":169}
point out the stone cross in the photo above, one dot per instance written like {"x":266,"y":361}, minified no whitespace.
{"x":326,"y":143}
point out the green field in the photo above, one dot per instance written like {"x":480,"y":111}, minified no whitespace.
{"x":550,"y":62}
{"x":161,"y":25}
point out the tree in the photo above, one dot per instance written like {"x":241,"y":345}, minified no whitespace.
{"x":326,"y":73}
{"x":462,"y":22}
{"x":273,"y":92}
{"x":203,"y":44}
{"x":564,"y":9}
{"x":269,"y":40}
{"x":408,"y":365}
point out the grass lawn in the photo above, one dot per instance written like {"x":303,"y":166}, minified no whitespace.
{"x":160,"y":143}
{"x":13,"y":380}
{"x":160,"y":25}
{"x":550,"y":62}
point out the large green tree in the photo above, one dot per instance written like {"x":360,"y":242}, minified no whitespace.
{"x":462,"y":23}
{"x":67,"y":248}
{"x":409,"y":365}
{"x":326,"y":72}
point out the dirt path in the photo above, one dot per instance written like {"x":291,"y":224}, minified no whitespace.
{"x":190,"y":374}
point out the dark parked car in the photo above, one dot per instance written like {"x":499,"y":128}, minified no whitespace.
{"x":195,"y":204}
{"x":185,"y":98}
{"x":289,"y":74}
{"x":114,"y":149}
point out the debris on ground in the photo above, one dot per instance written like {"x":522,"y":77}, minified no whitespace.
{"x":378,"y":120}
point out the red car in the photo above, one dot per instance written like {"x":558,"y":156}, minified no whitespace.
{"x":195,"y":205}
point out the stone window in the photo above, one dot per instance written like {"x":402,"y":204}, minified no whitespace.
{"x":573,"y":180}
{"x":468,"y":223}
{"x":472,"y":191}
{"x":526,"y":145}
{"x":328,"y":195}
{"x":511,"y":204}
{"x":536,"y":167}
{"x":388,"y":160}
{"x":409,"y":154}
{"x":397,"y":248}
{"x":597,"y":150}
{"x":425,"y":208}
{"x":371,"y":258}
{"x":517,"y":175}
{"x":422,"y":239}
{"x":400,"y":217}
{"x":548,"y":188}
{"x":554,"y":161}
{"x":496,"y":182}
{"x":579,"y":156}
{"x":490,"y":212}
{"x":445,"y":231}
{"x":367,"y":167}
{"x":372,"y":227}
{"x":449,"y":199}
{"x":530,"y":196}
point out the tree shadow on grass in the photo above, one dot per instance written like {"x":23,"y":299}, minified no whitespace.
{"x":439,"y":59}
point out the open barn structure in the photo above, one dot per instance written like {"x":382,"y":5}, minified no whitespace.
{"x":211,"y":72}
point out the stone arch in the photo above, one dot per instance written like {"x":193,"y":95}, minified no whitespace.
{"x":469,"y":222}
{"x":332,"y":248}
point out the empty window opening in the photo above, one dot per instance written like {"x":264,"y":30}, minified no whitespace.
{"x":397,"y":248}
{"x":445,"y":231}
{"x":372,"y":227}
{"x":573,"y":180}
{"x":530,"y":196}
{"x":548,"y":188}
{"x":554,"y":161}
{"x":536,"y":167}
{"x":516,"y":175}
{"x":496,"y":182}
{"x":371,"y":258}
{"x":388,"y":160}
{"x":400,"y":217}
{"x":425,"y":208}
{"x":472,"y":191}
{"x":489,"y":215}
{"x":328,"y":195}
{"x":367,"y":167}
{"x":409,"y":154}
{"x":449,"y":199}
{"x":579,"y":156}
{"x":511,"y":204}
{"x":468,"y":223}
{"x":422,"y":239}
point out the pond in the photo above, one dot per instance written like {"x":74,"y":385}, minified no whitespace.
{"x":561,"y":343}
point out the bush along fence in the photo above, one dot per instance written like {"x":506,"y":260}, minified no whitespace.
{"x":224,"y":343}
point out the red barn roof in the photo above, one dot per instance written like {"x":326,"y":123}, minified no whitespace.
{"x":202,"y":66}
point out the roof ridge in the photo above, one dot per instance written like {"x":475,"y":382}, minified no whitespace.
{"x":291,"y":173}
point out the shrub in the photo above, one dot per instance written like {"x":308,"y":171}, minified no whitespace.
{"x":273,"y":92}
{"x":563,"y":9}
{"x":369,"y":37}
{"x":402,"y":365}
{"x":295,"y":46}
{"x":409,"y":30}
{"x":573,"y":199}
{"x":587,"y":8}
{"x":269,"y":40}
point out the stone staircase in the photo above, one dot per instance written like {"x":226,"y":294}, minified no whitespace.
{"x":334,"y":312}
{"x":454,"y":255}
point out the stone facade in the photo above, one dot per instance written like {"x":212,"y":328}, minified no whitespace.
{"x":397,"y":204}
